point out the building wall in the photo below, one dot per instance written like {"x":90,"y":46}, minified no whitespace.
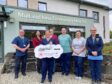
{"x":99,"y":25}
{"x":62,"y":6}
{"x":33,"y":4}
{"x":10,"y":32}
{"x":12,"y":3}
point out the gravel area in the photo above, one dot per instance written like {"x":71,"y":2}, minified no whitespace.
{"x":34,"y":78}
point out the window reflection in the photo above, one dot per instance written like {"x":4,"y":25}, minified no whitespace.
{"x":3,"y":2}
{"x":23,"y":3}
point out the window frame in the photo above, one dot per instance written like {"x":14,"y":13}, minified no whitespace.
{"x":42,"y":3}
{"x":96,"y":20}
{"x":22,"y":7}
{"x":86,"y":11}
{"x":2,"y":41}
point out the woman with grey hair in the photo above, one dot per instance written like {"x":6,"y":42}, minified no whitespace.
{"x":94,"y":45}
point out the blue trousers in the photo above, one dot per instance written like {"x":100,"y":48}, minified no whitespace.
{"x":65,"y":62}
{"x":47,"y":65}
{"x":54,"y":67}
{"x":96,"y":69}
{"x":20,"y":61}
{"x":78,"y":62}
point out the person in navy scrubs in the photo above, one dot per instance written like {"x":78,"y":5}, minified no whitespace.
{"x":94,"y":46}
{"x":47,"y":63}
{"x":21,"y":44}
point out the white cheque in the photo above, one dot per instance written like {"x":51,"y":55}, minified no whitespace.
{"x":48,"y":51}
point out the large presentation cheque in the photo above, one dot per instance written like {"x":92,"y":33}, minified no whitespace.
{"x":48,"y":51}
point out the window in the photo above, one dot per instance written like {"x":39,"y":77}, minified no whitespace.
{"x":96,"y":16}
{"x":23,"y":3}
{"x":3,"y":2}
{"x":83,"y":13}
{"x":42,"y":6}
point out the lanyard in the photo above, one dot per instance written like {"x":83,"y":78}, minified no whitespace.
{"x":23,"y":42}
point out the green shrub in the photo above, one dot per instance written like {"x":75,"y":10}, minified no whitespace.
{"x":107,"y":48}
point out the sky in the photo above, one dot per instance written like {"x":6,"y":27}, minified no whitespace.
{"x":108,"y":3}
{"x":104,"y":2}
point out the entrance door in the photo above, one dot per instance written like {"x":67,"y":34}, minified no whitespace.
{"x":1,"y":42}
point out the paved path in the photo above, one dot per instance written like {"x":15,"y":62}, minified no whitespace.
{"x":34,"y":78}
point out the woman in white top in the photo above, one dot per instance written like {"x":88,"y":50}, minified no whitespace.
{"x":78,"y":46}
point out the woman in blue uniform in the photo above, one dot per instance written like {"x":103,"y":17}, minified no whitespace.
{"x":94,"y":46}
{"x":47,"y":63}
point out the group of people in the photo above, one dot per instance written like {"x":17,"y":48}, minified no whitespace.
{"x":79,"y":47}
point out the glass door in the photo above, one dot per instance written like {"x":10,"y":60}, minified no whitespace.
{"x":30,"y":31}
{"x":1,"y":42}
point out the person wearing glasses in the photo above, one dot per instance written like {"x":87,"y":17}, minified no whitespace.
{"x":94,"y":45}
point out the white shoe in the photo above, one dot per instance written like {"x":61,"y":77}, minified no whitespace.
{"x":76,"y":77}
{"x":79,"y":78}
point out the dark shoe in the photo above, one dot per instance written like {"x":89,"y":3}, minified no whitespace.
{"x":53,"y":73}
{"x":16,"y":76}
{"x":24,"y":74}
{"x":62,"y":73}
{"x":50,"y":80}
{"x":39,"y":71}
{"x":67,"y":74}
{"x":93,"y":82}
{"x":98,"y":82}
{"x":42,"y":81}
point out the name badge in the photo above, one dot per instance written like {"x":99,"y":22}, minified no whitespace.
{"x":24,"y":45}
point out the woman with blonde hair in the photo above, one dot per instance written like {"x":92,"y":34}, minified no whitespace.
{"x":78,"y":46}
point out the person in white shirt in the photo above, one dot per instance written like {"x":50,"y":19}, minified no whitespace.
{"x":78,"y":46}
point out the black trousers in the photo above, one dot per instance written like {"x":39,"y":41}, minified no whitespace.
{"x":39,"y":65}
{"x":20,"y":63}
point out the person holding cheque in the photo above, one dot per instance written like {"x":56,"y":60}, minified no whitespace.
{"x":47,"y":63}
{"x":78,"y":46}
